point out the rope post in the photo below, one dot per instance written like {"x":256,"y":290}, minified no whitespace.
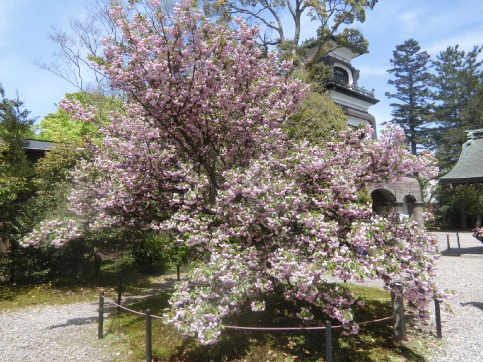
{"x":447,"y":241}
{"x":119,"y":290}
{"x":149,"y":351}
{"x":458,"y":240}
{"x":437,"y":315}
{"x":178,"y":272}
{"x":398,"y":312}
{"x":101,"y":315}
{"x":328,"y":341}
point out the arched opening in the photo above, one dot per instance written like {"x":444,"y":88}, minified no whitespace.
{"x":408,"y":205}
{"x":382,"y":201}
{"x":341,"y":75}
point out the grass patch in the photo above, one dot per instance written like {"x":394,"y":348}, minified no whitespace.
{"x":14,"y":297}
{"x":124,"y":333}
{"x":373,"y":343}
{"x":67,"y":290}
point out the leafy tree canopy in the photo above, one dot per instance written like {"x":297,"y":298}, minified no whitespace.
{"x":331,"y":15}
{"x":60,"y":126}
{"x":15,"y":129}
{"x":316,"y":118}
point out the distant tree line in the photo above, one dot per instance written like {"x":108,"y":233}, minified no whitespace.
{"x":435,"y":102}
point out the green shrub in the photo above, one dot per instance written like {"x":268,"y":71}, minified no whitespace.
{"x":148,"y":255}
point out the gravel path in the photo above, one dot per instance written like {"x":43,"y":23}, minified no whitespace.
{"x":461,"y":270}
{"x":69,"y":332}
{"x":52,"y":334}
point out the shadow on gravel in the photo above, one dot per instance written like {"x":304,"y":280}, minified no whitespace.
{"x":474,"y":304}
{"x":75,"y":322}
{"x":474,"y":250}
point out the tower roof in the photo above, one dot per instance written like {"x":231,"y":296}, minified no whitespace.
{"x":469,"y":168}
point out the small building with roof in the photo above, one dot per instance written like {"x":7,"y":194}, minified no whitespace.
{"x":36,"y":149}
{"x":469,"y":168}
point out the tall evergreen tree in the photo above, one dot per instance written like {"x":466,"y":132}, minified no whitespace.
{"x":458,"y":94}
{"x":15,"y":127}
{"x":457,"y":85}
{"x":15,"y":169}
{"x":411,"y":77}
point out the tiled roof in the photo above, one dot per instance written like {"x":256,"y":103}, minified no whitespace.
{"x":469,"y":168}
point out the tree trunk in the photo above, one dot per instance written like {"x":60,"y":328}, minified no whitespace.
{"x":12,"y":261}
{"x":79,"y":250}
{"x":97,"y":264}
{"x":463,"y":222}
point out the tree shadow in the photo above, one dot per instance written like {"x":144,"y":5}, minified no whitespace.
{"x":7,"y":291}
{"x":478,"y":305}
{"x":305,"y":345}
{"x":75,"y":322}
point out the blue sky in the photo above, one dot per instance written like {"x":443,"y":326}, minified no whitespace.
{"x":435,"y":24}
{"x":24,"y":29}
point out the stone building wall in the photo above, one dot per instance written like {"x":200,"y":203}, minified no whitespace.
{"x":402,"y":197}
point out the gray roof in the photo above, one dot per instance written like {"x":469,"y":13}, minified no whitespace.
{"x":39,"y":145}
{"x":469,"y":168}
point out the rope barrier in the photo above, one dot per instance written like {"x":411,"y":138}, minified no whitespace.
{"x":279,"y":328}
{"x":328,"y":327}
{"x":301,"y":328}
{"x":110,"y":301}
{"x":130,"y":310}
{"x":376,"y":320}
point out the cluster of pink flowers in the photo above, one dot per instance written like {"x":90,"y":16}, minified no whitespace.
{"x":200,"y":153}
{"x":285,"y":221}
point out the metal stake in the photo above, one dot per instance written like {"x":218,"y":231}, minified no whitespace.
{"x":437,"y":315}
{"x":328,"y":341}
{"x":149,"y":351}
{"x":101,"y":315}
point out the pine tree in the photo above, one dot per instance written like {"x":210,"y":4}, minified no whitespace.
{"x":458,"y":95}
{"x":15,"y":169}
{"x":15,"y":127}
{"x":411,"y":76}
{"x":457,"y":84}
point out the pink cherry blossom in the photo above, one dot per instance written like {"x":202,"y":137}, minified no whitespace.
{"x":199,"y":152}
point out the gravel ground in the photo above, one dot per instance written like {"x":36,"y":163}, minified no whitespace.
{"x":52,"y":334}
{"x":461,"y":270}
{"x":69,"y":332}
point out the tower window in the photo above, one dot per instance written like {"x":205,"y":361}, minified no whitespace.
{"x":341,"y":75}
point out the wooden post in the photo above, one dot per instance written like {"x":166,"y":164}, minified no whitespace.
{"x":398,"y":312}
{"x":328,"y":341}
{"x":101,"y":315}
{"x":458,"y":240}
{"x":178,"y":272}
{"x":437,"y":315}
{"x":149,"y":351}
{"x":447,"y":241}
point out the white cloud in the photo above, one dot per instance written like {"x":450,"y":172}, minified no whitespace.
{"x":466,"y":41}
{"x":410,"y":20}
